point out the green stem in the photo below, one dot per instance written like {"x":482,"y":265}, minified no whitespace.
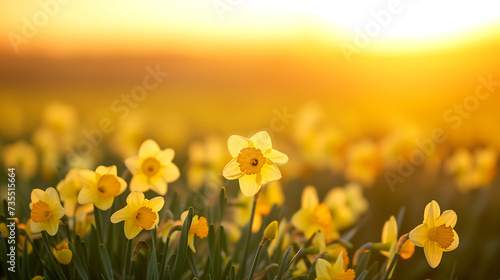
{"x":401,"y":241}
{"x":68,"y":233}
{"x":127,"y":258}
{"x":164,"y":258}
{"x":98,"y":223}
{"x":255,"y":261}
{"x":247,"y":241}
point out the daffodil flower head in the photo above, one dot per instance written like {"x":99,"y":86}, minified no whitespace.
{"x":390,"y":236}
{"x":326,"y":271}
{"x":199,"y":227}
{"x":139,"y":213}
{"x":46,"y":211}
{"x":152,"y":169}
{"x":254,"y":162}
{"x":100,"y":187}
{"x":68,"y":189}
{"x":436,"y":234}
{"x":62,"y":253}
{"x":271,"y":231}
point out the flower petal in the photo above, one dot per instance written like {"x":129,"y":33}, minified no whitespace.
{"x":87,"y":177}
{"x":133,"y":164}
{"x":139,"y":182}
{"x":158,"y":185}
{"x":309,"y":197}
{"x":454,"y":244}
{"x":232,"y":170}
{"x":419,"y":235}
{"x":235,"y":144}
{"x":106,"y":170}
{"x":448,"y":218}
{"x":104,"y":203}
{"x":269,"y":173}
{"x":248,"y":185}
{"x":87,"y":196}
{"x":155,"y":204}
{"x":135,"y":200}
{"x":322,"y":267}
{"x":431,"y":213}
{"x":278,"y":158}
{"x":37,"y":227}
{"x":37,"y":195}
{"x":166,"y":156}
{"x":122,"y":215}
{"x":262,"y":141}
{"x":338,"y":267}
{"x":433,"y":253}
{"x":148,"y":148}
{"x":51,"y":197}
{"x":123,"y":185}
{"x":51,"y":226}
{"x":130,"y":229}
{"x":170,"y":172}
{"x":390,"y":230}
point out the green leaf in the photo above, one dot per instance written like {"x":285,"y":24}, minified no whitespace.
{"x":106,"y":262}
{"x":362,"y":276}
{"x":284,"y":262}
{"x":78,"y":263}
{"x":55,"y":265}
{"x":25,"y":269}
{"x":153,"y":262}
{"x":183,"y":246}
{"x":363,"y":263}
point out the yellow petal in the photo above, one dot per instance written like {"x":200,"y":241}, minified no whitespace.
{"x":158,"y":185}
{"x":52,"y":198}
{"x":390,"y":230}
{"x":51,"y":226}
{"x":449,"y":218}
{"x":130,"y":229}
{"x":139,"y":182}
{"x":322,"y":268}
{"x":454,"y":244}
{"x":64,"y":256}
{"x":87,"y":195}
{"x":133,"y":164}
{"x":170,"y":172}
{"x":156,"y":204}
{"x":166,"y":156}
{"x":36,"y":227}
{"x":104,"y":203}
{"x":87,"y":177}
{"x":135,"y":200}
{"x":148,"y":148}
{"x":106,"y":170}
{"x":309,"y":197}
{"x":338,"y":267}
{"x":301,"y":219}
{"x":432,"y":253}
{"x":278,"y":158}
{"x":262,"y":141}
{"x":122,"y":215}
{"x":235,"y":144}
{"x":232,"y":170}
{"x":37,"y":195}
{"x":419,"y":235}
{"x":269,"y":173}
{"x":123,"y":185}
{"x":248,"y":185}
{"x":431,"y":213}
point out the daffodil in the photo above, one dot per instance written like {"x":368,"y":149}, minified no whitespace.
{"x":62,"y":253}
{"x":390,"y":239}
{"x":198,"y":227}
{"x":68,"y":189}
{"x":254,"y":162}
{"x":314,"y":216}
{"x":364,"y":162}
{"x":22,"y":155}
{"x":436,"y":233}
{"x":326,"y":271}
{"x":139,"y":213}
{"x":100,"y":187}
{"x":46,"y":211}
{"x":152,"y":168}
{"x":347,"y":204}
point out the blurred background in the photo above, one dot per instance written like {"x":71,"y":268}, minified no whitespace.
{"x":349,"y":90}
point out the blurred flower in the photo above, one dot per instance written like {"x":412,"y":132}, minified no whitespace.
{"x":59,"y":117}
{"x":128,"y":136}
{"x":205,"y":159}
{"x":325,"y":271}
{"x":82,"y":219}
{"x":152,"y":168}
{"x":364,"y":162}
{"x":436,"y":233}
{"x":22,"y":156}
{"x":347,"y":204}
{"x":271,"y":195}
{"x":100,"y":187}
{"x":139,"y":213}
{"x":199,"y":227}
{"x":62,"y":253}
{"x":472,"y":171}
{"x":68,"y":189}
{"x":314,"y":216}
{"x":46,"y":211}
{"x":22,"y":237}
{"x":38,"y":277}
{"x":254,"y":162}
{"x":165,"y":228}
{"x":390,"y":238}
{"x":271,"y":231}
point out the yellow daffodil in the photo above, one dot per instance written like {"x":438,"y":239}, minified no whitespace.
{"x":100,"y":187}
{"x":83,"y":220}
{"x":271,"y":231}
{"x":347,"y":204}
{"x":152,"y":168}
{"x":206,"y":159}
{"x":68,"y":189}
{"x":436,"y":233}
{"x":254,"y":162}
{"x":314,"y":216}
{"x":326,"y":271}
{"x":390,"y":238}
{"x":46,"y":211}
{"x":38,"y":277}
{"x":364,"y":162}
{"x":164,"y":229}
{"x":62,"y":253}
{"x":139,"y":213}
{"x":198,"y":226}
{"x":23,"y":156}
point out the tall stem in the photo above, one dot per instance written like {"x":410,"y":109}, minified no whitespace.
{"x":127,"y":258}
{"x":255,"y":261}
{"x":247,"y":241}
{"x":98,"y":223}
{"x":401,"y":241}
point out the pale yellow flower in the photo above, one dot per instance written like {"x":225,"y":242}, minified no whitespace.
{"x":139,"y":213}
{"x":364,"y":162}
{"x":152,"y":168}
{"x":199,"y":227}
{"x":22,"y":156}
{"x":46,"y":211}
{"x":347,"y":204}
{"x":436,"y":233}
{"x":68,"y":190}
{"x":271,"y":231}
{"x":100,"y":187}
{"x":254,"y":162}
{"x":326,"y":271}
{"x":62,"y":253}
{"x":314,"y":216}
{"x":390,"y":238}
